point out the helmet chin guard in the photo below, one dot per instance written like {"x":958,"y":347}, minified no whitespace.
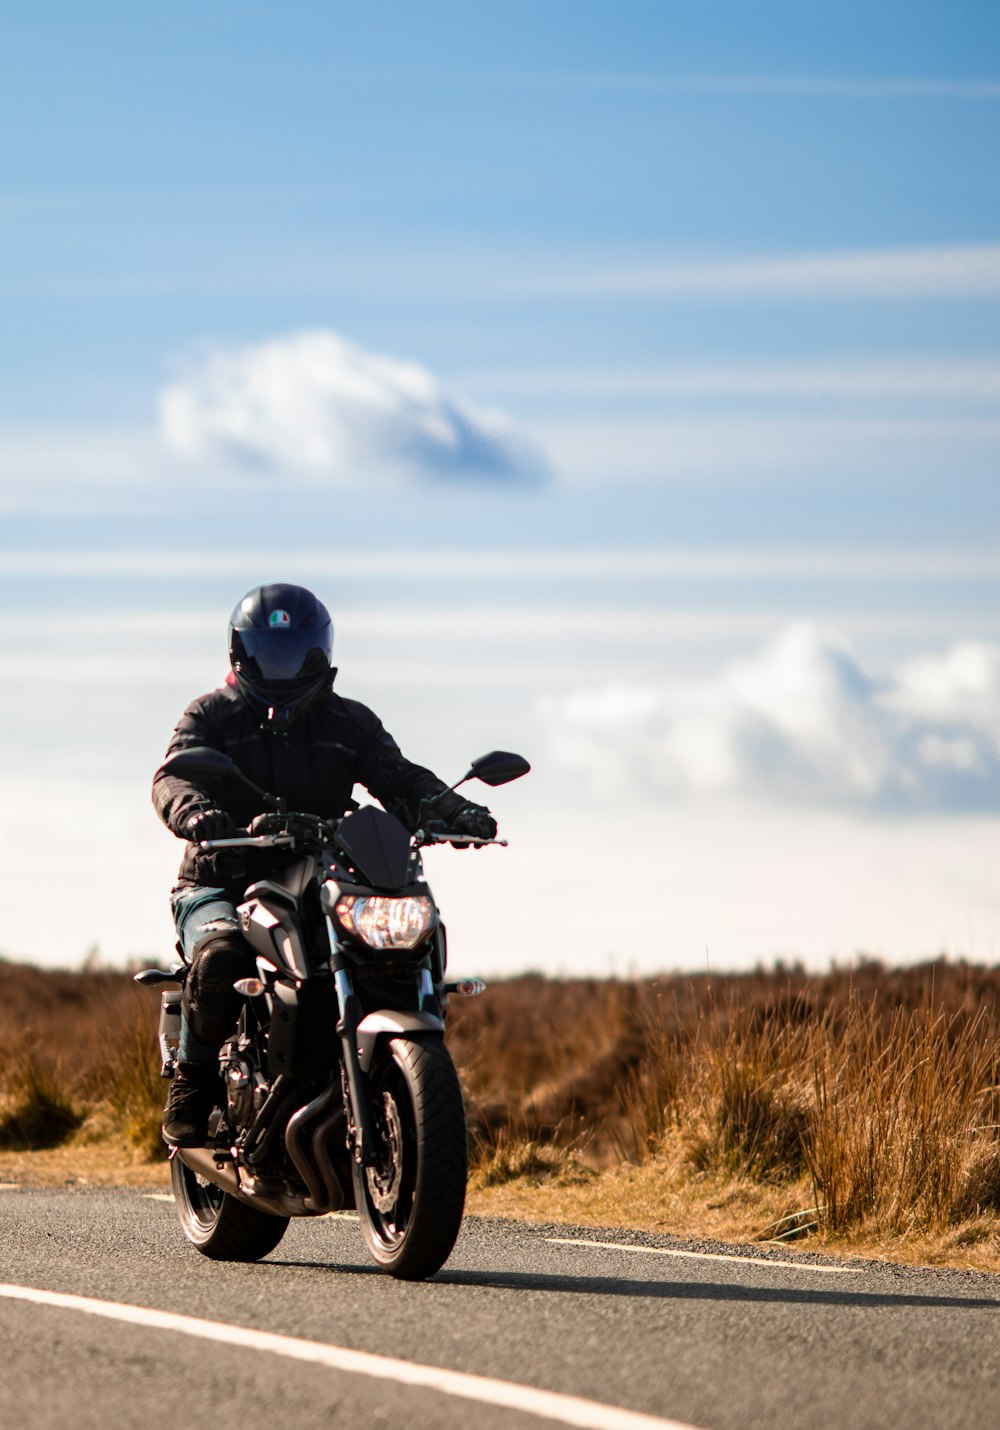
{"x":280,"y":646}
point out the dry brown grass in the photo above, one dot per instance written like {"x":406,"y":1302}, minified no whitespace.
{"x":78,"y":1058}
{"x":855,"y":1110}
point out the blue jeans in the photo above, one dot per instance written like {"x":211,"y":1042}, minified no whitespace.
{"x":200,"y":913}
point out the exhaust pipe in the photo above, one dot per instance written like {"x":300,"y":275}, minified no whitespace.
{"x":202,"y":1162}
{"x":325,"y":1190}
{"x":321,"y":1157}
{"x":321,"y":1196}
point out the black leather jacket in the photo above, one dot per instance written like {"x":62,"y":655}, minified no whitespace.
{"x":314,"y":765}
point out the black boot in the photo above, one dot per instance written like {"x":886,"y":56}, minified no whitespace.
{"x":193,"y":1093}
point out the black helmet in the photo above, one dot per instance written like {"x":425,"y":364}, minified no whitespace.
{"x":280,"y":644}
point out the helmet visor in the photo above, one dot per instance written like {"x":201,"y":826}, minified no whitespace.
{"x":281,"y":659}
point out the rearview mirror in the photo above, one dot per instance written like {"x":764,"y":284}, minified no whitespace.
{"x":206,"y":766}
{"x":201,"y":764}
{"x":499,"y":767}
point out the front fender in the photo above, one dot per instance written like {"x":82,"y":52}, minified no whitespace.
{"x":386,"y":1022}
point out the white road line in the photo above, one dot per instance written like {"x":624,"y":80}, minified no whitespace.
{"x":158,"y":1196}
{"x":758,"y":1261}
{"x":10,"y":1186}
{"x":547,"y":1404}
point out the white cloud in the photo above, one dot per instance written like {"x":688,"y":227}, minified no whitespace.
{"x":801,"y":721}
{"x":966,"y":271}
{"x":316,"y":403}
{"x":959,"y":685}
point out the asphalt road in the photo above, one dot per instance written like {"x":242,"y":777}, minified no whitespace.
{"x":716,"y":1337}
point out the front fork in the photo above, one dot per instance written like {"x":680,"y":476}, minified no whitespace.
{"x":360,"y":1107}
{"x":351,"y":1013}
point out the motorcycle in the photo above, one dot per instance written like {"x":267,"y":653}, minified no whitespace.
{"x":337,"y":1090}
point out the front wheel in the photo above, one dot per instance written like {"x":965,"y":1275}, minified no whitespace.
{"x":221,"y":1227}
{"x":411,"y":1202}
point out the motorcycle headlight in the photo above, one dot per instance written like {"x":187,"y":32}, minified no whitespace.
{"x":386,"y":923}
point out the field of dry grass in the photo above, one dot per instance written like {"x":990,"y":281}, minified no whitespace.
{"x":848,"y":1110}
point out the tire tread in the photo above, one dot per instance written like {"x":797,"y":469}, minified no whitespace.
{"x":442,"y":1165}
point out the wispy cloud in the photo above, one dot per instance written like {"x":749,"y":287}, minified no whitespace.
{"x":762,"y":443}
{"x":316,"y":403}
{"x":551,"y":565}
{"x":954,"y":379}
{"x":771,"y":447}
{"x":501,"y":276}
{"x":800,"y":721}
{"x":966,"y":271}
{"x":78,"y":469}
{"x":774,"y":85}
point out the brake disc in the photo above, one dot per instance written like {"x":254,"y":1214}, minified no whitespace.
{"x":384,"y":1180}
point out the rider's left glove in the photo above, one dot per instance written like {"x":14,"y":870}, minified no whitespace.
{"x":209,"y":824}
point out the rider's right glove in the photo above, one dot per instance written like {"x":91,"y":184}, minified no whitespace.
{"x":474,"y":819}
{"x":208,"y":824}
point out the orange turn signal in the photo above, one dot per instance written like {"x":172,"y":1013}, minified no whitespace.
{"x":249,"y":987}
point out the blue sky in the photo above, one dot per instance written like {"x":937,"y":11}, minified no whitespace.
{"x":718,"y":283}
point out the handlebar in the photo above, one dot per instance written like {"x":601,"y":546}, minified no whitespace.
{"x":288,"y":839}
{"x":277,"y":841}
{"x":258,"y":841}
{"x":293,"y":828}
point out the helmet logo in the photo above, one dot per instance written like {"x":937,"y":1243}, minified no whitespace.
{"x":279,"y":620}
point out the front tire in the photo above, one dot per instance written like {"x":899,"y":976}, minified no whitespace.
{"x":221,"y":1227}
{"x":411,"y":1203}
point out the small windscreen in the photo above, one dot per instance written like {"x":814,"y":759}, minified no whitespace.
{"x":378,"y":846}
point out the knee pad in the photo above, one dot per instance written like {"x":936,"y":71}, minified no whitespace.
{"x":211,"y":1005}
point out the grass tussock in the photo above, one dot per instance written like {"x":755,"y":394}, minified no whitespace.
{"x":857,"y":1108}
{"x":514,"y":1159}
{"x":36,"y":1114}
{"x":125,"y":1086}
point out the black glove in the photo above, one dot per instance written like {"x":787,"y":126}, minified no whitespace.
{"x":474,"y":819}
{"x":308,"y":825}
{"x":208,"y":824}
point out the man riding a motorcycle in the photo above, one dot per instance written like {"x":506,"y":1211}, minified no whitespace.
{"x":278,"y":717}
